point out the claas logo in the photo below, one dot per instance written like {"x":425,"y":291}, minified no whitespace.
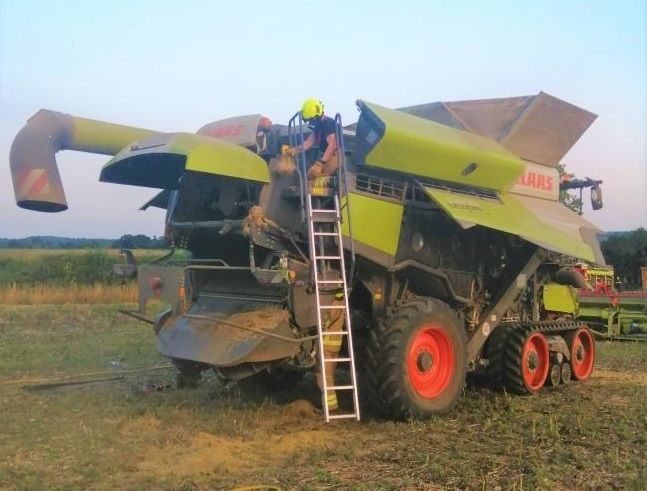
{"x":536,"y":181}
{"x":224,"y":131}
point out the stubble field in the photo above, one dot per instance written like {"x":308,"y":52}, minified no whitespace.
{"x":135,"y":430}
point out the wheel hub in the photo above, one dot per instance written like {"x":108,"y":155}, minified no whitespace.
{"x":579,"y":353}
{"x":582,"y":349}
{"x":533,"y":361}
{"x":430,"y":361}
{"x":425,"y":361}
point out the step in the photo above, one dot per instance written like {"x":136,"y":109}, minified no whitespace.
{"x":332,"y":258}
{"x":324,"y":219}
{"x":322,"y":210}
{"x":330,"y":282}
{"x":335,"y":333}
{"x":342,"y":416}
{"x":332,"y":307}
{"x":341,"y":387}
{"x":327,"y":234}
{"x":337,"y":360}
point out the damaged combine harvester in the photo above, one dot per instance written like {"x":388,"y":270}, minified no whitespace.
{"x":430,"y":249}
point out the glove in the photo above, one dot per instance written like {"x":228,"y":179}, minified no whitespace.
{"x":292,"y":151}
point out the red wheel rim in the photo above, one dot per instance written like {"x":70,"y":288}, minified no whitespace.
{"x":430,"y":361}
{"x":534,"y":361}
{"x":582,"y":354}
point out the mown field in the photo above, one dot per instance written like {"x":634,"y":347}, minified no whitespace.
{"x":141,"y":432}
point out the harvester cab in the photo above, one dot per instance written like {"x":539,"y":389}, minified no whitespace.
{"x":423,"y":258}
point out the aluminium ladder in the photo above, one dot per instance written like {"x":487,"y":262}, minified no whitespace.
{"x":320,"y":220}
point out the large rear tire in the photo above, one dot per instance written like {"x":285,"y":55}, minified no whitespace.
{"x":416,"y":361}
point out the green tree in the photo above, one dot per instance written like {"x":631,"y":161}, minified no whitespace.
{"x":568,"y":198}
{"x":627,"y":252}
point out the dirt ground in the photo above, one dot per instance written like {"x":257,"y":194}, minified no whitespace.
{"x":141,"y":432}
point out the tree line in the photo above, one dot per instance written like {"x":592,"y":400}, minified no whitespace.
{"x":627,"y":253}
{"x":127,"y":241}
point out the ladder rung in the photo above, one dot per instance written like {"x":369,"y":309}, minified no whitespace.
{"x":332,"y":307}
{"x":328,"y":234}
{"x":332,"y":360}
{"x":335,"y":333}
{"x":323,"y":210}
{"x":330,"y":282}
{"x":341,"y":387}
{"x":328,"y":257}
{"x":342,"y":416}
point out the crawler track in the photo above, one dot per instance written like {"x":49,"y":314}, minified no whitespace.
{"x":520,"y":360}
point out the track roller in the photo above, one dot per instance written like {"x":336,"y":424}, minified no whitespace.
{"x":566,"y":373}
{"x":554,"y":375}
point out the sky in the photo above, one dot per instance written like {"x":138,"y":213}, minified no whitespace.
{"x":176,"y":65}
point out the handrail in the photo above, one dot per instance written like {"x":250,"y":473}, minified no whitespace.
{"x":295,"y":139}
{"x":342,"y":178}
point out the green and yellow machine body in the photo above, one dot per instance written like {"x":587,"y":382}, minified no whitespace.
{"x":447,"y":200}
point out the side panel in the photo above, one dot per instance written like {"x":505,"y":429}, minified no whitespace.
{"x":376,"y":224}
{"x":512,"y":214}
{"x":160,"y":160}
{"x":160,"y":282}
{"x":401,"y":142}
{"x":560,"y":298}
{"x":538,"y":181}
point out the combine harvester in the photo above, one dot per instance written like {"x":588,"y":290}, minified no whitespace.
{"x":616,"y":314}
{"x":423,"y":259}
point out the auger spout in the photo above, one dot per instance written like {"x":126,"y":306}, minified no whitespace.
{"x":36,"y":179}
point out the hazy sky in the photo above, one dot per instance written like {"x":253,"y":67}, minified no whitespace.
{"x":175,"y":65}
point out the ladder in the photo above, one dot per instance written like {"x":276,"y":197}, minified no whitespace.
{"x":324,"y":218}
{"x":320,"y":221}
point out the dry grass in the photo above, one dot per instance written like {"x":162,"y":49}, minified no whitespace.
{"x":76,"y":294}
{"x":38,"y":253}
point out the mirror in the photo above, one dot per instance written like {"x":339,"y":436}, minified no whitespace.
{"x":596,"y":197}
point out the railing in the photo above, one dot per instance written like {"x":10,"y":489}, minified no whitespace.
{"x":342,"y":191}
{"x":296,"y":138}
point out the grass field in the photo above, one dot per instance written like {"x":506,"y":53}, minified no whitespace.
{"x":143,"y":433}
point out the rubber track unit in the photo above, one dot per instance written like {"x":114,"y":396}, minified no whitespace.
{"x":507,"y":344}
{"x":381,"y":376}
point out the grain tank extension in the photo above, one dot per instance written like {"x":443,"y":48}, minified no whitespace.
{"x":431,"y":247}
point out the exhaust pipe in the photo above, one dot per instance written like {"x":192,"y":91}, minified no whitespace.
{"x":34,"y":171}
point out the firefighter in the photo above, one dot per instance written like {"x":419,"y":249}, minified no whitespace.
{"x":332,"y":346}
{"x":323,"y":135}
